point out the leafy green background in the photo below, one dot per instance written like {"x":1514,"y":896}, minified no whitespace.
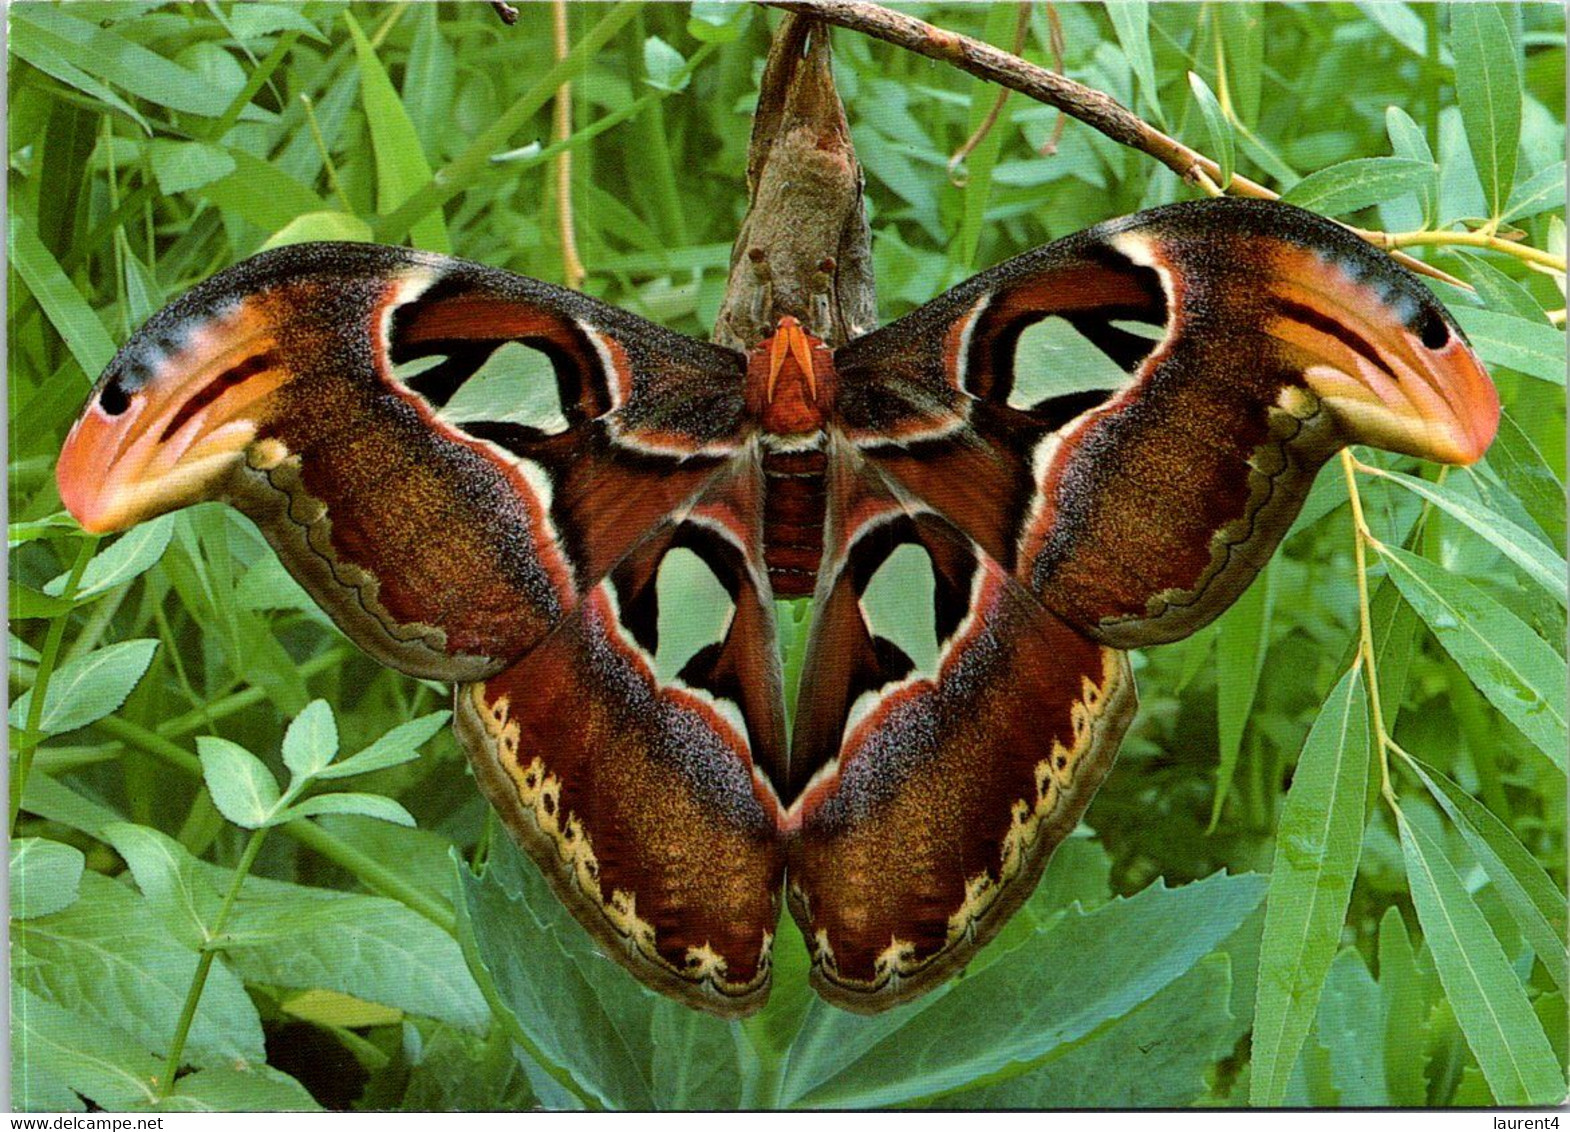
{"x":205,"y":917}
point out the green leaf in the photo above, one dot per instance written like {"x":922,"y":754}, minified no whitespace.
{"x":368,"y":805}
{"x":110,"y":960}
{"x":1489,"y":1002}
{"x":718,"y":21}
{"x":377,"y":950}
{"x":1155,"y":1056}
{"x":1003,"y":1020}
{"x":1405,"y":1009}
{"x":1536,"y":558}
{"x":1359,"y":183}
{"x":1499,"y":292}
{"x":68,"y":312}
{"x":56,"y":1052}
{"x":328,"y":224}
{"x":89,"y":687}
{"x":401,"y":167}
{"x":170,"y":878}
{"x":1518,"y":671}
{"x":1221,"y":139}
{"x":261,"y":193}
{"x":1528,"y":347}
{"x":1242,"y":636}
{"x":181,"y":166}
{"x":1318,"y":842}
{"x":663,"y":65}
{"x":1407,"y":140}
{"x":311,"y":742}
{"x":1351,"y":1029}
{"x":1534,"y":901}
{"x":1488,"y":88}
{"x":1542,"y":191}
{"x":128,"y":557}
{"x":400,"y":745}
{"x":243,"y":789}
{"x":256,"y":1088}
{"x":43,"y":52}
{"x":1131,"y":21}
{"x":44,"y":876}
{"x":1525,"y":472}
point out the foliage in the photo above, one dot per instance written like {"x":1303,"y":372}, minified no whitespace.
{"x":1407,"y":944}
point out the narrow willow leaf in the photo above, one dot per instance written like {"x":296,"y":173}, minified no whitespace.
{"x":1518,"y":671}
{"x":1526,"y":473}
{"x":1499,"y":292}
{"x":1533,"y":900}
{"x":401,"y":167}
{"x":242,"y":787}
{"x":69,"y":313}
{"x":1359,"y":183}
{"x":1019,"y":1010}
{"x":1535,"y":557}
{"x":1220,"y":129}
{"x":89,"y":687}
{"x":1489,"y":1002}
{"x":1542,"y":191}
{"x":44,"y":876}
{"x":1526,"y":347}
{"x":128,"y":557}
{"x":1131,"y":21}
{"x":1488,"y":88}
{"x":1408,"y":140}
{"x":311,"y":741}
{"x":1405,"y":1008}
{"x":1241,"y":25}
{"x":400,"y":745}
{"x":1318,"y":842}
{"x":1242,"y":636}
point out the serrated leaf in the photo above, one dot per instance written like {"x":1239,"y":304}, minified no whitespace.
{"x":110,"y":960}
{"x":1515,"y":669}
{"x":400,"y":745}
{"x":256,"y":1088}
{"x":1489,"y":1002}
{"x":55,"y":1050}
{"x":368,"y":805}
{"x":1488,"y":89}
{"x":170,"y":878}
{"x":129,"y":556}
{"x":88,"y":688}
{"x":1015,"y":1013}
{"x":44,"y":876}
{"x":1216,"y":123}
{"x":1358,"y":184}
{"x":1405,"y":1008}
{"x":1350,"y":1028}
{"x":243,"y":789}
{"x":1534,"y":901}
{"x":1536,"y":558}
{"x":1499,"y":292}
{"x":1527,"y":347}
{"x":1526,"y":473}
{"x":662,"y":65}
{"x":401,"y":167}
{"x":1318,"y":842}
{"x":311,"y":741}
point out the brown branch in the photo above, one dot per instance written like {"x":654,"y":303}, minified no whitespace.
{"x":1055,"y":43}
{"x":1097,"y":110}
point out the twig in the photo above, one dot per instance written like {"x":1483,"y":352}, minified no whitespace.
{"x":1097,"y":110}
{"x":571,"y":265}
{"x":959,"y":179}
{"x":1470,"y":240}
{"x":1056,"y":46}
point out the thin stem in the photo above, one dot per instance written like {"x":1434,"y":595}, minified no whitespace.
{"x":27,"y":742}
{"x":571,"y":266}
{"x":959,"y":179}
{"x":1479,"y":239}
{"x":321,"y":148}
{"x":1361,"y":540}
{"x":204,"y":964}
